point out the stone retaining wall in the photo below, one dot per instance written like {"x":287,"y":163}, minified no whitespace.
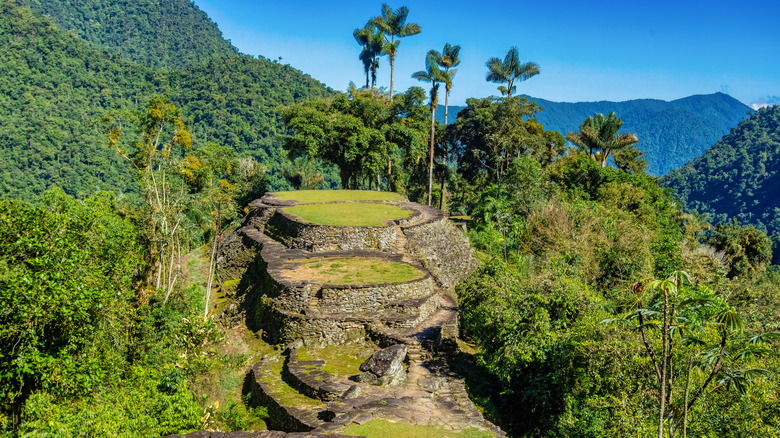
{"x":313,"y":330}
{"x":361,"y":299}
{"x":443,"y":250}
{"x":320,"y":238}
{"x":309,"y":378}
{"x":279,"y":416}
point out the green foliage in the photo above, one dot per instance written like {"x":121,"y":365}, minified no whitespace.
{"x":56,"y":88}
{"x":599,"y":138}
{"x":490,"y":134}
{"x":561,"y":245}
{"x":509,"y":70}
{"x":171,"y":35}
{"x":146,"y":404}
{"x":747,"y":249}
{"x":359,"y":133}
{"x":738,"y":176}
{"x":66,"y":275}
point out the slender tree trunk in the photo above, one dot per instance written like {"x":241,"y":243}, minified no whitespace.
{"x":392,"y":66}
{"x":430,"y":160}
{"x":218,"y":225}
{"x":446,"y":106}
{"x":389,"y":171}
{"x":664,"y":363}
{"x":685,"y":405}
{"x":441,"y":198}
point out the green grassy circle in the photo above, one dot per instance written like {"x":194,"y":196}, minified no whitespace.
{"x":308,"y":196}
{"x":357,"y":214}
{"x":351,"y":270}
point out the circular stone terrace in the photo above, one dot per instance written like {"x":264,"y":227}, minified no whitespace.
{"x":349,"y":270}
{"x":343,"y":208}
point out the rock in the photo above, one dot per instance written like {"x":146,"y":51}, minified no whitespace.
{"x":385,"y":367}
{"x":352,"y":392}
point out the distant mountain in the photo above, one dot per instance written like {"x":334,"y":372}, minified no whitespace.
{"x":738,"y":177}
{"x":54,"y":88}
{"x":169,"y":34}
{"x":670,"y":133}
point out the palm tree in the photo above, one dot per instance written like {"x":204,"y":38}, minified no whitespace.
{"x":448,"y":59}
{"x":393,"y":24}
{"x":362,"y":36}
{"x":599,"y":133}
{"x":370,"y":38}
{"x":509,"y":70}
{"x":434,"y":75}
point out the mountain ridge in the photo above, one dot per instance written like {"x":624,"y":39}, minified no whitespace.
{"x":671,"y":133}
{"x":55,"y":87}
{"x":739,"y":176}
{"x":172,"y":36}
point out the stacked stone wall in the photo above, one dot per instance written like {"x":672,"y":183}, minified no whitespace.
{"x":313,"y":330}
{"x":443,"y":249}
{"x":279,"y":416}
{"x":361,"y":299}
{"x":321,"y":238}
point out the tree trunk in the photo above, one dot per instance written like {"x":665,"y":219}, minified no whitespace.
{"x":446,"y":106}
{"x":430,"y":161}
{"x":392,"y":66}
{"x":441,"y":197}
{"x":685,"y":405}
{"x":665,"y":360}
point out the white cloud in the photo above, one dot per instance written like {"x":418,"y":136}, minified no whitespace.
{"x":765,"y":102}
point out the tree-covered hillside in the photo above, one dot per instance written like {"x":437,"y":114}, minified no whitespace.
{"x":54,"y":89}
{"x":670,"y":133}
{"x":168,"y":34}
{"x":738,"y":177}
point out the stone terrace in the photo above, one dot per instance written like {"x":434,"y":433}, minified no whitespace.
{"x":420,"y":313}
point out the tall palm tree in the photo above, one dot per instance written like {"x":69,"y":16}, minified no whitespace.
{"x":448,"y":59}
{"x":598,"y":135}
{"x":365,"y":57}
{"x":376,"y":46}
{"x":370,"y":38}
{"x":434,"y":75}
{"x":510,"y":70}
{"x":393,"y":24}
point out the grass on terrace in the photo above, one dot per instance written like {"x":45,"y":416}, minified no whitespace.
{"x":384,"y":428}
{"x":351,"y":270}
{"x":283,"y":392}
{"x":344,"y":361}
{"x":355,"y":214}
{"x":308,"y":196}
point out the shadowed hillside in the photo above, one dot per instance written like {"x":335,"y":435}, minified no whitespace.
{"x":168,"y":34}
{"x":56,"y":88}
{"x":738,"y":177}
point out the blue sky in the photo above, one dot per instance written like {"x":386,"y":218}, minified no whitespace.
{"x":587,"y":50}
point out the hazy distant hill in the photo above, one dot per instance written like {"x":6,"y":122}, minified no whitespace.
{"x":670,"y":133}
{"x":738,"y":177}
{"x":54,"y":87}
{"x":170,"y":33}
